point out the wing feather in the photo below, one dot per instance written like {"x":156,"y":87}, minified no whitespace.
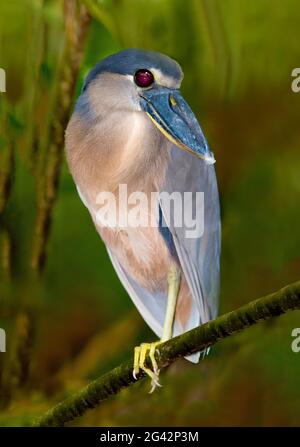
{"x":199,"y":257}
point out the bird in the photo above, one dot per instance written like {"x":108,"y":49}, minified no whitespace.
{"x":135,"y":149}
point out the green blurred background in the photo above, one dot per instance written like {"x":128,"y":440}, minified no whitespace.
{"x":66,"y":315}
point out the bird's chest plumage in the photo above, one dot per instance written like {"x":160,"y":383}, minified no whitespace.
{"x":135,"y":159}
{"x":136,"y":240}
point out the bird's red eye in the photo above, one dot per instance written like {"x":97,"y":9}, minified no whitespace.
{"x":143,"y":78}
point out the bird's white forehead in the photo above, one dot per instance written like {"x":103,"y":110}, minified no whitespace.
{"x":161,"y":78}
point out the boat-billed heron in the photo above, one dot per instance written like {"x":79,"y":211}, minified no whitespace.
{"x":132,"y":128}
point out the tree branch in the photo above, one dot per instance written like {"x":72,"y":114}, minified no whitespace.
{"x":193,"y":341}
{"x":77,"y":22}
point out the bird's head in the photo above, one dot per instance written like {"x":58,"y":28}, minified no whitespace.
{"x":148,"y":82}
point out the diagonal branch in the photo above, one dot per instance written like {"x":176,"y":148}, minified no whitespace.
{"x":195,"y":340}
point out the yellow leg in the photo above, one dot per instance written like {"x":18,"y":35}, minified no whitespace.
{"x":141,"y":351}
{"x":173,"y":288}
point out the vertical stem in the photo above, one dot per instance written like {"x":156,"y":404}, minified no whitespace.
{"x":15,"y":370}
{"x":5,"y":254}
{"x":76,"y":24}
{"x":6,"y":179}
{"x":6,"y":172}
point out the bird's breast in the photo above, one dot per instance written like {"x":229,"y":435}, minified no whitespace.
{"x":133,"y":235}
{"x":124,"y":151}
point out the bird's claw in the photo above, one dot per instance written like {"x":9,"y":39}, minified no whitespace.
{"x":140,"y":353}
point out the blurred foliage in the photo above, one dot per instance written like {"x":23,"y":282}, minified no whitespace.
{"x":75,"y":319}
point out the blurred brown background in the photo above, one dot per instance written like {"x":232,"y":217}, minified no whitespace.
{"x":66,"y":315}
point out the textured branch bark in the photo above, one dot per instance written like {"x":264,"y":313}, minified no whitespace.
{"x":77,"y":22}
{"x":195,"y":340}
{"x":6,"y":171}
{"x":7,"y":167}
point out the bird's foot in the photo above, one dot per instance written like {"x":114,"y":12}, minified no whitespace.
{"x":140,"y":353}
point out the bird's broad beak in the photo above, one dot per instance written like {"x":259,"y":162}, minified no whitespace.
{"x":175,"y":119}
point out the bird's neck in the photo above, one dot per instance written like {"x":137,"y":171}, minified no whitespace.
{"x":121,"y":149}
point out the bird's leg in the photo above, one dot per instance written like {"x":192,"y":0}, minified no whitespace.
{"x":141,"y":351}
{"x":173,"y":289}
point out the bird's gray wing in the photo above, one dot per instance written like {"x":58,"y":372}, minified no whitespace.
{"x":199,"y":256}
